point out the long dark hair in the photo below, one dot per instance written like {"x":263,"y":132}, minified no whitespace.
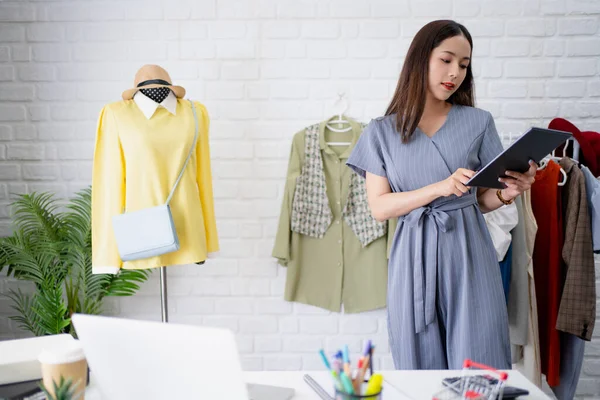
{"x":409,"y":99}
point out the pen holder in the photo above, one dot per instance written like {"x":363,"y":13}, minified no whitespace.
{"x":341,"y":395}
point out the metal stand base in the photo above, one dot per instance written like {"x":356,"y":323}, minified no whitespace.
{"x":163,"y":294}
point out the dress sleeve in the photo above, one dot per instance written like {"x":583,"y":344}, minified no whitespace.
{"x":283,"y":237}
{"x":367,"y":155}
{"x":108,"y":194}
{"x":491,"y":145}
{"x":204,"y":180}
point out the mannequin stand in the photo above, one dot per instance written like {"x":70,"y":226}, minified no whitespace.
{"x":163,"y":294}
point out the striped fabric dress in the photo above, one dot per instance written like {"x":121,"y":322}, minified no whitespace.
{"x":445,"y":297}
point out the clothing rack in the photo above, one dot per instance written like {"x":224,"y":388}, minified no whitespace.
{"x":575,"y":148}
{"x":163,"y":295}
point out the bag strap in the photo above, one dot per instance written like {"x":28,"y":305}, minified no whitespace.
{"x":188,"y":156}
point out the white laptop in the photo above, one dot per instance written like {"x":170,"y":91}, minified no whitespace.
{"x":131,"y":359}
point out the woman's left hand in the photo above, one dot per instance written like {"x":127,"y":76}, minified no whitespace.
{"x":517,"y":183}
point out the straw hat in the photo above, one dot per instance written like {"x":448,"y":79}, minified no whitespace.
{"x":152,"y":76}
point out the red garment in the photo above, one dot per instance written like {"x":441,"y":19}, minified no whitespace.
{"x":588,"y":141}
{"x":547,"y":265}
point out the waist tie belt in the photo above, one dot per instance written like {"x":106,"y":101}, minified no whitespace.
{"x":424,"y":289}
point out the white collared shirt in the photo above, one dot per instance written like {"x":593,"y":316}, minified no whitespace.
{"x":149,"y":106}
{"x":500,"y":223}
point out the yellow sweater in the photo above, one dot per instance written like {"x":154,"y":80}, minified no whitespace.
{"x":136,"y":163}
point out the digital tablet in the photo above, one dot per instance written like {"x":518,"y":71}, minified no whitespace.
{"x":534,"y":145}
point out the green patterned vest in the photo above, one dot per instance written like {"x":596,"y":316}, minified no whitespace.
{"x":311,"y":214}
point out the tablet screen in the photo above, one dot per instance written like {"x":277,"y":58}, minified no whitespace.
{"x":534,"y":145}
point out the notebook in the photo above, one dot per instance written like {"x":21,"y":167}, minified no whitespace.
{"x":28,"y":390}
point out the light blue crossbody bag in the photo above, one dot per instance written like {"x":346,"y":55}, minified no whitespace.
{"x":150,"y":231}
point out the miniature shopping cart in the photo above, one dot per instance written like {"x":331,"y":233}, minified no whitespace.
{"x":473,"y":387}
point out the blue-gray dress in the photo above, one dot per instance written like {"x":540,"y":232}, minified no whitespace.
{"x":445,"y":298}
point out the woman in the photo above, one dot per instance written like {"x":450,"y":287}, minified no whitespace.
{"x":445,"y":297}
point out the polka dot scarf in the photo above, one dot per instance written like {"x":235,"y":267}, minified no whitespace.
{"x":156,"y":94}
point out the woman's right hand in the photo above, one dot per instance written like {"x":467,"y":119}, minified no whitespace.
{"x":455,"y":183}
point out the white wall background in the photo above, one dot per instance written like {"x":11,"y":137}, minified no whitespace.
{"x":265,"y":69}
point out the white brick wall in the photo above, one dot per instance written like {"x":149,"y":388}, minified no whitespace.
{"x":265,"y":69}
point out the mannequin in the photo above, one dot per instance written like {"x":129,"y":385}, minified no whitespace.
{"x":158,"y":95}
{"x":140,"y":147}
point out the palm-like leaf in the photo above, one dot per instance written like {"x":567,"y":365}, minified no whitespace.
{"x":124,"y":284}
{"x":24,"y":305}
{"x":78,"y":219}
{"x":30,"y":258}
{"x":54,"y":250}
{"x":36,"y":215}
{"x":52,"y":311}
{"x":84,"y":295}
{"x":6,"y":252}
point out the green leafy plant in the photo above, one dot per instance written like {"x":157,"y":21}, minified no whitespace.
{"x":52,"y":249}
{"x":64,"y":390}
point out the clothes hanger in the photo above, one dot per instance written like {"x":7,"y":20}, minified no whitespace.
{"x":553,"y":157}
{"x":342,"y":105}
{"x":575,"y":150}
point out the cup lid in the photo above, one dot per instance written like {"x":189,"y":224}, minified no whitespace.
{"x":64,"y":353}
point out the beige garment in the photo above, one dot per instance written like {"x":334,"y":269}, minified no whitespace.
{"x":530,"y":363}
{"x":518,"y":296}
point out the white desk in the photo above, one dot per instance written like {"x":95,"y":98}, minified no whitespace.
{"x":422,"y":384}
{"x":411,"y":385}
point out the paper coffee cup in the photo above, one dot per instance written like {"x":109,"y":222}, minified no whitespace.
{"x":67,"y":361}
